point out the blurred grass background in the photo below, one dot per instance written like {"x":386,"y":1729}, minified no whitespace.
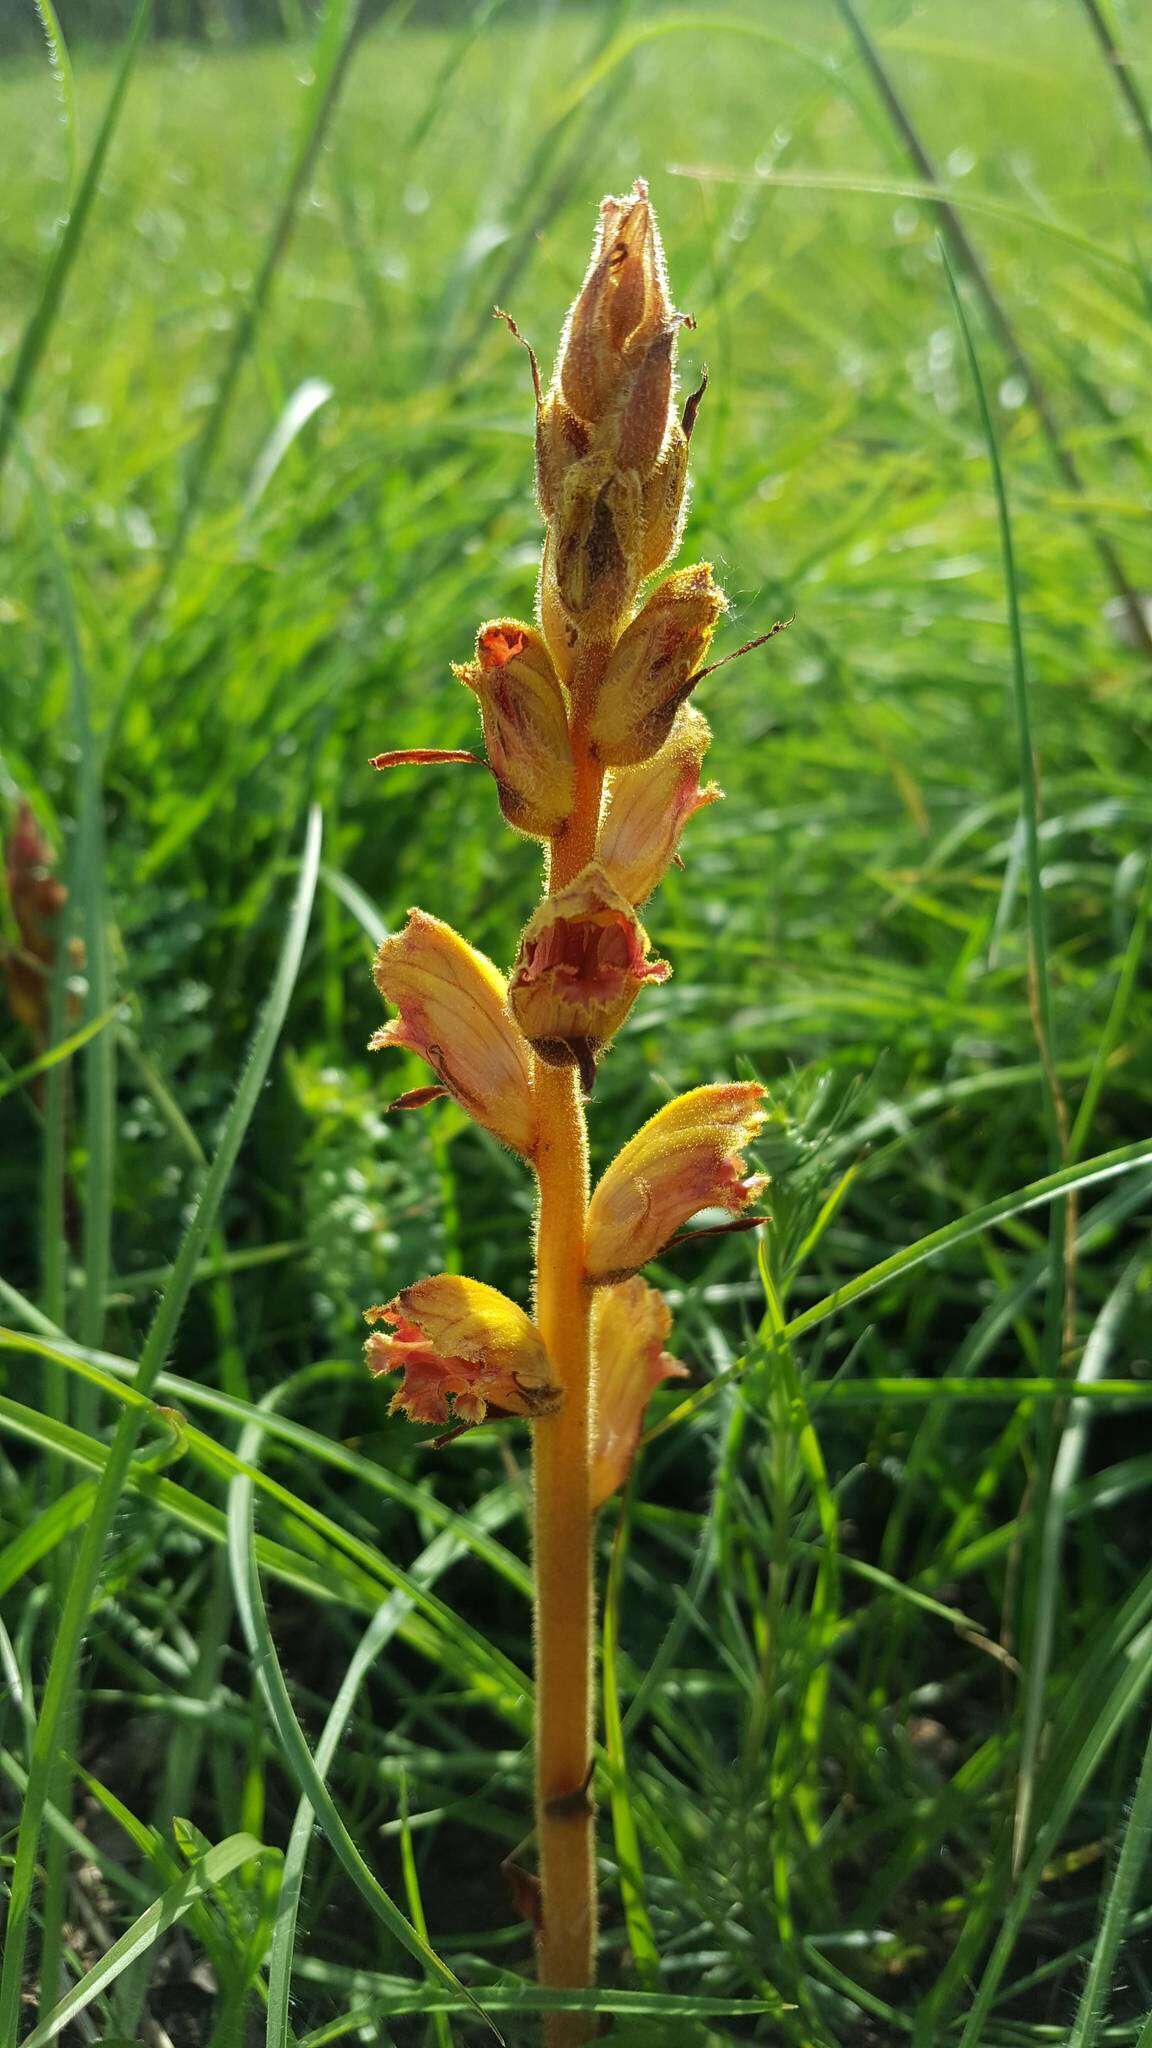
{"x":271,"y":466}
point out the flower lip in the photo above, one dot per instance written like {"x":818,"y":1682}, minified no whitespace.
{"x":496,"y":646}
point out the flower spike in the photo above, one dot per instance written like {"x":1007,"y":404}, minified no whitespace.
{"x":453,"y":1012}
{"x":649,"y":806}
{"x":689,"y":1156}
{"x":582,"y":963}
{"x":630,"y":1324}
{"x":457,"y":1340}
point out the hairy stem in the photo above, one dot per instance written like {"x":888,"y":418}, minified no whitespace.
{"x":565,"y":1606}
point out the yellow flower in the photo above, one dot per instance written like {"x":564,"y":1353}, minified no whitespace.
{"x":582,"y":962}
{"x":629,"y":1324}
{"x":525,"y":725}
{"x":454,"y":1013}
{"x":689,"y":1156}
{"x":649,"y":806}
{"x":457,"y":1340}
{"x":654,"y":667}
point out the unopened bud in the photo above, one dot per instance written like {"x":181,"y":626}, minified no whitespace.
{"x":622,"y":305}
{"x":525,"y":725}
{"x":597,"y":544}
{"x":664,"y":503}
{"x":561,"y":440}
{"x":654,"y":667}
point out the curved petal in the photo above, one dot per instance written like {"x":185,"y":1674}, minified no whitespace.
{"x":689,"y":1156}
{"x":649,"y":806}
{"x":454,"y":1013}
{"x":629,"y":1325}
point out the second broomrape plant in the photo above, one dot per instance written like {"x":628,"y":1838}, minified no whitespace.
{"x":596,"y":750}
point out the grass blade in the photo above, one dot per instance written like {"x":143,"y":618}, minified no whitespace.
{"x":206,"y":1872}
{"x":82,"y":1586}
{"x":34,"y":341}
{"x":297,"y":1756}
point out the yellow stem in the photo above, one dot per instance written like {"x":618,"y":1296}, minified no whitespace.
{"x":562,"y":1450}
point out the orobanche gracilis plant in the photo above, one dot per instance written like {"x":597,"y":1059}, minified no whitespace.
{"x":596,"y":750}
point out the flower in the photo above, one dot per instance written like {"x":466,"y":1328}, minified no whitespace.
{"x":457,"y":1340}
{"x":629,"y":1325}
{"x":649,"y":806}
{"x":654,"y":667}
{"x":525,"y":725}
{"x":453,"y":1006}
{"x":688,"y":1156}
{"x":582,"y":962}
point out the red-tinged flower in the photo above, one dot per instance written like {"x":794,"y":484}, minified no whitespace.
{"x":525,"y":725}
{"x":453,"y":1006}
{"x":456,"y":1340}
{"x":582,"y":963}
{"x":654,"y":667}
{"x":649,"y":806}
{"x":689,"y":1156}
{"x":630,"y":1323}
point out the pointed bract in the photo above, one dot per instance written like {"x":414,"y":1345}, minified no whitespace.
{"x":649,"y":806}
{"x":454,"y":1013}
{"x":630,"y":1323}
{"x":525,"y":725}
{"x":689,"y":1156}
{"x":582,"y":962}
{"x":456,"y":1340}
{"x":654,"y":667}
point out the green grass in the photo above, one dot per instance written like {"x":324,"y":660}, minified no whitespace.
{"x":878,"y":1640}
